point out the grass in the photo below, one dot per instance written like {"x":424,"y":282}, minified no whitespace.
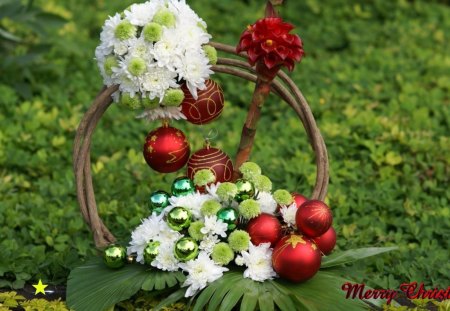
{"x":375,"y":75}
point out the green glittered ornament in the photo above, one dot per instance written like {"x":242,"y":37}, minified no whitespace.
{"x":229,"y":216}
{"x":159,"y":200}
{"x":179,"y":218}
{"x":246,"y":190}
{"x":186,"y":249}
{"x":182,"y":186}
{"x":151,"y":251}
{"x":114,"y":256}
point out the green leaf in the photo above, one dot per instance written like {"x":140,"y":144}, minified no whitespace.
{"x":231,"y":299}
{"x":249,"y":301}
{"x":352,"y":255}
{"x":172,"y":298}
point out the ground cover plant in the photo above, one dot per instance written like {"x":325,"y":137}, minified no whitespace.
{"x":374,"y":74}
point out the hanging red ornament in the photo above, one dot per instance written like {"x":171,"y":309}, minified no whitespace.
{"x":211,"y":158}
{"x":264,"y":229}
{"x":326,"y":242}
{"x":296,"y":258}
{"x":207,"y":107}
{"x":313,"y":218}
{"x":299,"y":199}
{"x":166,"y":149}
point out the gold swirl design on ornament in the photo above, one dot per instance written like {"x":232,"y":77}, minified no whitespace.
{"x":205,"y":161}
{"x":211,"y":105}
{"x":174,"y":156}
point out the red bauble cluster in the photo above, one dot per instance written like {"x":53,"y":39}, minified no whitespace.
{"x":214,"y":159}
{"x":264,"y":229}
{"x":269,"y":42}
{"x":207,"y":107}
{"x":166,"y":149}
{"x":313,"y":218}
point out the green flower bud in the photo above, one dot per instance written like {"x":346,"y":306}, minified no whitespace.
{"x":132,"y":103}
{"x":150,"y":103}
{"x":194,"y":230}
{"x":110,"y":62}
{"x":249,"y":209}
{"x":125,"y":30}
{"x":211,"y":53}
{"x":173,"y":97}
{"x":165,"y":18}
{"x":239,"y":240}
{"x":152,"y":32}
{"x":210,"y":208}
{"x":204,"y":177}
{"x":222,"y":254}
{"x":137,"y":66}
{"x":226,"y":191}
{"x":263,"y":183}
{"x":250,"y":170}
{"x":283,"y":197}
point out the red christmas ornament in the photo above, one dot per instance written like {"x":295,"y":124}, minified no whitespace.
{"x":207,"y":107}
{"x":313,"y":218}
{"x":299,"y":199}
{"x":166,"y":149}
{"x":326,"y":242}
{"x":296,"y":258}
{"x":264,"y":229}
{"x":211,"y":158}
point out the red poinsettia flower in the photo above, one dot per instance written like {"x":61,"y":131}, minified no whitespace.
{"x":269,"y":41}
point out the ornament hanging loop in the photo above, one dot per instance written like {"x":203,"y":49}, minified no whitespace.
{"x":211,"y":135}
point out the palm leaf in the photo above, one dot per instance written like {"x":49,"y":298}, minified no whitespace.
{"x":94,"y":287}
{"x":171,"y":299}
{"x":351,"y":255}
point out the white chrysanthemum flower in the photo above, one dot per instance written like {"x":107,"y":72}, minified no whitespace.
{"x":214,"y":226}
{"x":211,"y":189}
{"x":107,"y":36}
{"x":192,"y":37}
{"x":239,"y":260}
{"x":120,"y":48}
{"x":201,"y":271}
{"x":258,"y":260}
{"x":266,"y":203}
{"x":167,"y":51}
{"x":165,"y":260}
{"x":208,"y":243}
{"x":173,"y":113}
{"x":142,"y":13}
{"x":141,"y":48}
{"x":195,"y":69}
{"x":157,"y":80}
{"x":126,"y":85}
{"x":288,"y":213}
{"x":193,"y":202}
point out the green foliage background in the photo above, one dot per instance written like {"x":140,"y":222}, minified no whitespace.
{"x":375,"y":75}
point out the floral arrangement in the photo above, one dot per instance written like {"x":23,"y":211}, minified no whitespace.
{"x":150,"y":51}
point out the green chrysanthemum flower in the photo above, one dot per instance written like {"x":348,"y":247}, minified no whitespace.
{"x":173,"y":97}
{"x":211,"y":53}
{"x":263,"y":183}
{"x":204,"y":177}
{"x":210,"y":208}
{"x":283,"y":197}
{"x":226,"y":191}
{"x":150,"y":103}
{"x":137,"y":66}
{"x":249,"y":209}
{"x":132,"y":103}
{"x":194,"y":230}
{"x":152,"y":32}
{"x":165,"y":18}
{"x":110,"y":63}
{"x":239,"y":240}
{"x":125,"y":30}
{"x":222,"y":254}
{"x":250,"y":170}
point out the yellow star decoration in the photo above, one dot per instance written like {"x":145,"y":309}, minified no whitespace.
{"x":150,"y":149}
{"x":295,"y":239}
{"x":40,"y":288}
{"x":153,"y":138}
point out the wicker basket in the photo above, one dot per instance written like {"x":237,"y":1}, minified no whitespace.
{"x":283,"y":86}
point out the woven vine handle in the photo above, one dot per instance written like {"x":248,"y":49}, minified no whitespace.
{"x":283,"y":86}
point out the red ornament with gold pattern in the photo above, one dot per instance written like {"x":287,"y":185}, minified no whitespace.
{"x":326,"y":242}
{"x":211,"y":158}
{"x":207,"y":107}
{"x":296,"y":258}
{"x":313,"y":218}
{"x":264,"y":229}
{"x":166,"y":149}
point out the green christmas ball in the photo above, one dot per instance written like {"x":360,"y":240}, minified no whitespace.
{"x":159,"y":200}
{"x":182,"y":186}
{"x":179,"y":218}
{"x":151,"y":251}
{"x":114,"y":256}
{"x":229,"y":216}
{"x":246,"y":190}
{"x":186,"y":249}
